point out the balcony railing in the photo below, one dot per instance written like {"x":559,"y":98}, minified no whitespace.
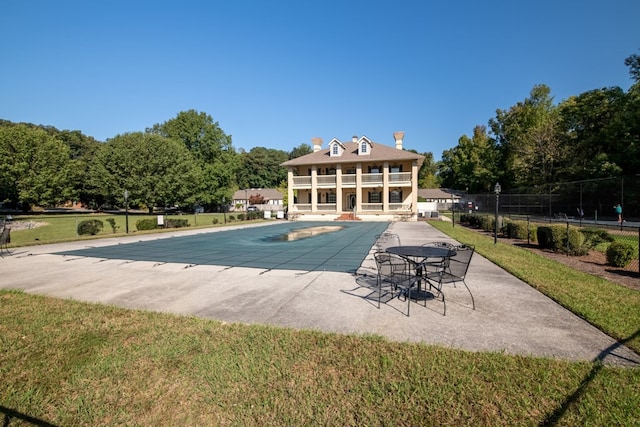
{"x":302,"y":182}
{"x":369,"y":179}
{"x":326,"y":181}
{"x":397,"y":178}
{"x":377,"y":207}
{"x":349,"y":180}
{"x":326,"y":207}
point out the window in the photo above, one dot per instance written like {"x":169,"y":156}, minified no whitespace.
{"x":331,"y":198}
{"x":375,"y":197}
{"x":334,"y":150}
{"x":363,"y":147}
{"x":395,"y":196}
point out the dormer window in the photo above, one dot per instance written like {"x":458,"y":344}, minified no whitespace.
{"x":334,"y":150}
{"x":363,"y":147}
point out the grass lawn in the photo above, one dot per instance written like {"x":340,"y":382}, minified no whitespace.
{"x":70,"y":363}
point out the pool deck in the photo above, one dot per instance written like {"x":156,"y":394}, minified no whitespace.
{"x":510,"y":316}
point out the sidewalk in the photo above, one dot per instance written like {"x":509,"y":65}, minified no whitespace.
{"x":510,"y":316}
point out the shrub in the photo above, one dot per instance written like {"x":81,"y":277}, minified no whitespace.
{"x":90,"y":226}
{"x":147,"y":224}
{"x":112,"y":223}
{"x":517,"y":230}
{"x":215,"y":220}
{"x":241,"y":217}
{"x":619,"y":254}
{"x":560,"y":239}
{"x":176,"y":223}
{"x":595,"y":236}
{"x":232,"y":218}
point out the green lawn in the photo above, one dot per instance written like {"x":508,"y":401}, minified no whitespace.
{"x":70,"y":363}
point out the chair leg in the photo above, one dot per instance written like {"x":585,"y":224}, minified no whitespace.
{"x":473,"y":302}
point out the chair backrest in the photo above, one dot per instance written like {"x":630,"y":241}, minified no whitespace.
{"x":459,"y":262}
{"x":4,"y":236}
{"x":389,"y":264}
{"x":387,"y":240}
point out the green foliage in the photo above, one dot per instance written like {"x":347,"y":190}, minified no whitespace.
{"x":215,"y":221}
{"x":595,"y":236}
{"x":560,"y":239}
{"x":147,"y":224}
{"x":35,"y":167}
{"x":520,"y":230}
{"x":154,"y":170}
{"x":176,"y":223}
{"x":260,"y":168}
{"x":90,"y":227}
{"x":112,"y":223}
{"x":232,"y":218}
{"x":241,"y":217}
{"x":619,"y":254}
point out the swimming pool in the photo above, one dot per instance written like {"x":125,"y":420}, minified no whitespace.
{"x":255,"y":247}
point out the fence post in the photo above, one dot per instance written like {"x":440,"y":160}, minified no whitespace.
{"x":528,"y":231}
{"x":638,"y":250}
{"x":568,"y":244}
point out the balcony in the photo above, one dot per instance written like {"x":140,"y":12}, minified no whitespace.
{"x":400,"y":179}
{"x":326,"y":181}
{"x":301,"y":182}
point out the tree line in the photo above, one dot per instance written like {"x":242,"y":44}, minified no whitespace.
{"x":185,"y":161}
{"x":538,"y":143}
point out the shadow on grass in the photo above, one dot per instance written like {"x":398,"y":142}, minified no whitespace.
{"x":553,"y":418}
{"x":11,"y":415}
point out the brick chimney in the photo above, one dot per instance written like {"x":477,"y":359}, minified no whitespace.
{"x":317,"y":144}
{"x":398,"y":136}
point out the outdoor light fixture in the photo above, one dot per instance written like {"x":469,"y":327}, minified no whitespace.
{"x":126,"y":210}
{"x":496,"y":190}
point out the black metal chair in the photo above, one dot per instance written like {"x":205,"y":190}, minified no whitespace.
{"x":386,"y":240}
{"x":452,"y":270}
{"x":5,"y":239}
{"x":397,"y":272}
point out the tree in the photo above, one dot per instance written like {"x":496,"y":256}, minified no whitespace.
{"x":211,"y":147}
{"x":260,"y":168}
{"x":300,"y":150}
{"x":156,"y":171}
{"x":521,"y":132}
{"x":35,"y":168}
{"x":633,"y":62}
{"x":471,"y":165}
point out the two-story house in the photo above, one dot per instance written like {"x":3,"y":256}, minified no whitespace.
{"x":357,"y":179}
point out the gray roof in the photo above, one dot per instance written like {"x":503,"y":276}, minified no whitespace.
{"x":379,"y":152}
{"x":438,"y":193}
{"x":266,"y":193}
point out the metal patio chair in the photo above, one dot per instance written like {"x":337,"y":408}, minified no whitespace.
{"x":452,"y":270}
{"x":397,"y":272}
{"x":386,"y":240}
{"x":5,"y":239}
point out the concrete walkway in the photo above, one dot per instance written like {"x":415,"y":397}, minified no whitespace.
{"x":510,"y":316}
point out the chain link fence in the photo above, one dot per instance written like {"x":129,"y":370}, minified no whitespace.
{"x":588,"y":205}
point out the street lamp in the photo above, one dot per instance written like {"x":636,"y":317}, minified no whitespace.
{"x":496,"y":190}
{"x":126,"y":210}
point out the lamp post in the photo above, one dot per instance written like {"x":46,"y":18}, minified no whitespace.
{"x":126,"y":210}
{"x":496,"y":190}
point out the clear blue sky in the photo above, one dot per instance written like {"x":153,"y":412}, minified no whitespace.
{"x":278,"y":73}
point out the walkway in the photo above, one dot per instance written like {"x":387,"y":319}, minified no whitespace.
{"x":510,"y":316}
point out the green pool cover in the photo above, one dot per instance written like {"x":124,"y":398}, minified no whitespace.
{"x":265,"y":247}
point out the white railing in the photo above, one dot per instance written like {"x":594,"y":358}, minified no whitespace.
{"x":326,"y":207}
{"x":400,"y":178}
{"x":371,"y":178}
{"x":349,"y":180}
{"x":377,"y":207}
{"x":399,"y":207}
{"x":302,"y":181}
{"x":304,"y":207}
{"x":326,"y":180}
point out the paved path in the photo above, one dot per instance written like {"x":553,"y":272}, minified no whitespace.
{"x":510,"y":316}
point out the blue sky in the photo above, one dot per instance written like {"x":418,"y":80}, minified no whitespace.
{"x":278,"y":73}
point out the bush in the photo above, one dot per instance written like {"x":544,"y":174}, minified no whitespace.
{"x":147,"y":224}
{"x":241,"y":217}
{"x":232,"y":218}
{"x":619,"y":254}
{"x":90,"y":226}
{"x":517,"y":230}
{"x":215,"y":220}
{"x":112,"y":223}
{"x":176,"y":223}
{"x":555,"y":237}
{"x":595,"y":236}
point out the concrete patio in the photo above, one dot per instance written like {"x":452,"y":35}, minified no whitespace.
{"x":510,"y":316}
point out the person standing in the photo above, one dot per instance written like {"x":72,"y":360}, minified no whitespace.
{"x":618,"y":210}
